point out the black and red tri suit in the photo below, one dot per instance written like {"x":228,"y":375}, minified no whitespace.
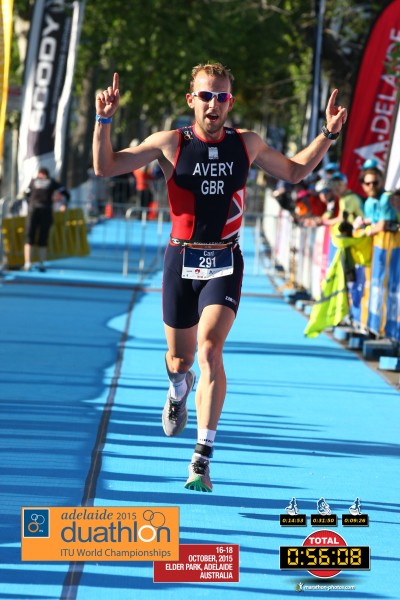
{"x":206,"y":195}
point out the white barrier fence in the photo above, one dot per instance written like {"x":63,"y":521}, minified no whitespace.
{"x":302,"y":252}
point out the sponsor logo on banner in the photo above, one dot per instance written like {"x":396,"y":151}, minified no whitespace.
{"x":36,"y":523}
{"x":106,"y":533}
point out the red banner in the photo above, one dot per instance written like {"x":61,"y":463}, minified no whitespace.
{"x":373,"y":107}
{"x":201,"y":563}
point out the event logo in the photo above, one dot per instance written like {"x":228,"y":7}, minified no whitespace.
{"x":213,"y":153}
{"x":106,"y":533}
{"x":36,"y":523}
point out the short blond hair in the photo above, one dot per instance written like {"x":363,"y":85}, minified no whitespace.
{"x":216,"y":69}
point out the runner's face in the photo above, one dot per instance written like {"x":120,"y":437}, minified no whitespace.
{"x":210,"y":116}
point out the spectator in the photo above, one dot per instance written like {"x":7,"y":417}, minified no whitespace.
{"x":61,"y":205}
{"x":370,"y":163}
{"x":283,"y":195}
{"x":349,"y":202}
{"x":42,"y":192}
{"x":395,"y":201}
{"x":330,"y":169}
{"x":144,"y":177}
{"x":317,"y":203}
{"x":325,"y":204}
{"x":379,"y":214}
{"x":303,"y":206}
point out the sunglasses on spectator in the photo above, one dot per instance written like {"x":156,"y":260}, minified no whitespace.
{"x":208,"y":96}
{"x":375,"y":182}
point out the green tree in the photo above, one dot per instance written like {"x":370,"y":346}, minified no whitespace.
{"x":154,"y":44}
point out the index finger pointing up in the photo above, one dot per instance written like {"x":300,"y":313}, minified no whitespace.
{"x":332,"y":100}
{"x":116,"y":82}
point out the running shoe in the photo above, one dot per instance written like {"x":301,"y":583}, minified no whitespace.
{"x":199,"y":476}
{"x":175,"y":414}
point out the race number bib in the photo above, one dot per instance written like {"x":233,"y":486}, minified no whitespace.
{"x":199,"y":263}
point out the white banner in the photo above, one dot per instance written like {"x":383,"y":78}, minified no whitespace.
{"x":393,"y":168}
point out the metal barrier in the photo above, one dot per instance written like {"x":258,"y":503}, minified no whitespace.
{"x":138,"y":233}
{"x":142,"y":215}
{"x":139,"y":239}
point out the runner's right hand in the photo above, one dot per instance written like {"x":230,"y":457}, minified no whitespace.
{"x":107,"y":101}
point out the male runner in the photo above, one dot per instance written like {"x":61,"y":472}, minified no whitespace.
{"x":205,"y":167}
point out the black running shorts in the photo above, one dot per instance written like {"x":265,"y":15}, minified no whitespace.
{"x":183,"y":300}
{"x":38,"y":224}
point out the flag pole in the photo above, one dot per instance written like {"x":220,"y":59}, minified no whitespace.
{"x":316,"y":90}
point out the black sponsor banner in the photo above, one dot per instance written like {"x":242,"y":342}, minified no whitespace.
{"x":47,"y":86}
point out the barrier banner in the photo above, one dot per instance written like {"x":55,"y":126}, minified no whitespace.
{"x":321,"y":243}
{"x":377,"y":291}
{"x":356,"y":290}
{"x":384,"y":304}
{"x":358,"y":253}
{"x":6,"y":11}
{"x":284,"y":240}
{"x":392,"y":326}
{"x":46,"y":94}
{"x":68,"y":237}
{"x":374,"y":101}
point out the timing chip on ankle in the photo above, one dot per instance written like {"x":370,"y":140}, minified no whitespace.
{"x":203,"y":450}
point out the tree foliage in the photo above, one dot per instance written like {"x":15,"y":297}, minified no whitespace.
{"x":154,"y":44}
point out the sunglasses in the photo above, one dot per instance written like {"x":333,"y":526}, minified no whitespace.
{"x":208,"y":96}
{"x":371,"y":182}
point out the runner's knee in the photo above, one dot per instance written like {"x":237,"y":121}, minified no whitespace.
{"x":209,"y":355}
{"x":179,"y":364}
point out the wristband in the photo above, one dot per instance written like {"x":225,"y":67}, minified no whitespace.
{"x":103,"y":120}
{"x":328,"y":134}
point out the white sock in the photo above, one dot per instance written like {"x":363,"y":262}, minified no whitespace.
{"x":177,"y":390}
{"x":205,"y":437}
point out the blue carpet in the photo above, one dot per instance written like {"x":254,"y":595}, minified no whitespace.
{"x":303,"y":418}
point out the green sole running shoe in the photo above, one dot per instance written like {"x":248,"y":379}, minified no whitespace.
{"x":199,"y":477}
{"x":175,"y":414}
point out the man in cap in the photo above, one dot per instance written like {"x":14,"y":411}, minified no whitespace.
{"x":350,"y":203}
